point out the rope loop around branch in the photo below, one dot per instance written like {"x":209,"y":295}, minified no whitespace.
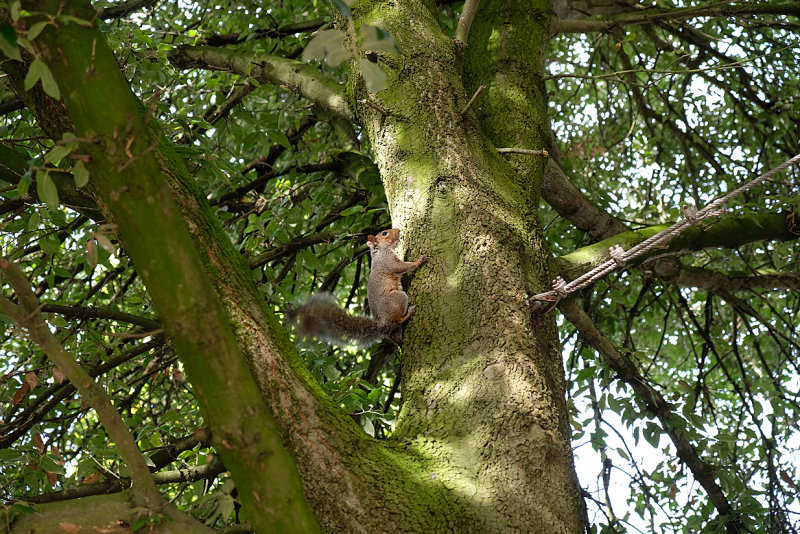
{"x":560,"y":287}
{"x":617,"y":254}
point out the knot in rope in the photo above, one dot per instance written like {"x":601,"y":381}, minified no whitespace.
{"x":690,"y":211}
{"x":617,"y":254}
{"x":560,"y":287}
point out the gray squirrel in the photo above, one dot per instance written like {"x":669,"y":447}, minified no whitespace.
{"x":322,"y":317}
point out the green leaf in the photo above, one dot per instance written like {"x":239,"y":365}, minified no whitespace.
{"x":351,"y":211}
{"x":374,"y":77}
{"x":46,"y":189}
{"x":39,"y":71}
{"x":374,"y":395}
{"x":8,"y":42}
{"x":9,"y":455}
{"x":50,"y":244}
{"x":33,"y":222}
{"x":48,"y":464}
{"x":49,"y":83}
{"x":330,"y":371}
{"x":225,"y":506}
{"x":23,"y":508}
{"x":24,"y":185}
{"x":105,"y":242}
{"x":327,"y":45}
{"x":80,"y":174}
{"x":652,"y":434}
{"x":76,"y":20}
{"x":34,"y":73}
{"x":57,"y":153}
{"x":139,"y":523}
{"x":36,"y":29}
{"x":368,"y":426}
{"x":280,"y":138}
{"x":338,"y":55}
{"x":15,"y":10}
{"x":377,"y":39}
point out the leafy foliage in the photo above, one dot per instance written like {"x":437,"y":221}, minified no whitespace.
{"x":653,"y":117}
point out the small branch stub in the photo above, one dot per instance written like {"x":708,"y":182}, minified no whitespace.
{"x":373,"y":105}
{"x":525,"y":151}
{"x":465,"y":21}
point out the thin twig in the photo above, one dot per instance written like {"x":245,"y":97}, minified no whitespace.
{"x":472,"y":100}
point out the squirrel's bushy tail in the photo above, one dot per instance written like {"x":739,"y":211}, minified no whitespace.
{"x":322,"y":317}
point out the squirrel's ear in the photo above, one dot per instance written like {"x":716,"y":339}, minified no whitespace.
{"x":371,"y":239}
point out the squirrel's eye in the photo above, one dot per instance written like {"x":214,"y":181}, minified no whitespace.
{"x":384,"y":234}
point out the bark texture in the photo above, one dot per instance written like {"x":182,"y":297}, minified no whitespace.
{"x":483,"y":383}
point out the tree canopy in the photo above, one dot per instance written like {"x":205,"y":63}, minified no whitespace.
{"x":177,"y":177}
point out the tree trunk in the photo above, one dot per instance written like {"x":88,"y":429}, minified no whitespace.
{"x":483,"y":385}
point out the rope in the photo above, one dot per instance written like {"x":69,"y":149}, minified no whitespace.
{"x":544,"y":302}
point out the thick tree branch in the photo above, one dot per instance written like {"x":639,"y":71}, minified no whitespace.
{"x":299,"y":77}
{"x":320,"y":436}
{"x":11,"y":105}
{"x":655,"y":404}
{"x":648,"y":16}
{"x":728,"y":232}
{"x":169,"y":453}
{"x":191,"y":474}
{"x":101,"y":513}
{"x":570,"y":203}
{"x":131,"y":183}
{"x":671,"y":270}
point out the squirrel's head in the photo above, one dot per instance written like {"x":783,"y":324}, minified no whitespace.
{"x":385,"y":238}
